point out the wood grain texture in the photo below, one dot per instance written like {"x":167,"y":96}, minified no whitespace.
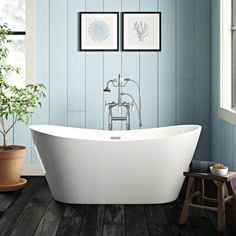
{"x":221,"y":206}
{"x":69,"y":226}
{"x":51,"y":219}
{"x":187,"y":201}
{"x":114,"y":215}
{"x":93,"y":220}
{"x":161,"y":230}
{"x":72,"y":220}
{"x":231,"y":192}
{"x":155,"y":214}
{"x":10,"y":218}
{"x":36,"y":215}
{"x":6,"y":199}
{"x":35,"y":210}
{"x":135,"y":222}
{"x":113,"y":230}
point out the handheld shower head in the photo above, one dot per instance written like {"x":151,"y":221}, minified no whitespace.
{"x":106,"y":89}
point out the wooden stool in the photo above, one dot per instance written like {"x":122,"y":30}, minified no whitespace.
{"x":221,"y":200}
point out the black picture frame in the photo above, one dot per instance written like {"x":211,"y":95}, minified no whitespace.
{"x":82,"y":40}
{"x":124,"y":40}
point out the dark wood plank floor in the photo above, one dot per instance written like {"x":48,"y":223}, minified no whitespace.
{"x":33,"y":211}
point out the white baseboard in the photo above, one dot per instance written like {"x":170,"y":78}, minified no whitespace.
{"x":32,"y":170}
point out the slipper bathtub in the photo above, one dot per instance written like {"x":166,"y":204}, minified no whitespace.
{"x":85,"y":166}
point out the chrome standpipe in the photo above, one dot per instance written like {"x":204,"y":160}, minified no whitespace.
{"x":119,"y":83}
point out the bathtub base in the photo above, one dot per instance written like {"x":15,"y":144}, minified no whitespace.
{"x":114,"y":195}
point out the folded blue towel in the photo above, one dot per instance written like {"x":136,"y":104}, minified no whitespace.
{"x":201,"y":166}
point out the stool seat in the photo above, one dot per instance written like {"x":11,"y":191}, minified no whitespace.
{"x":220,"y":201}
{"x":225,"y":178}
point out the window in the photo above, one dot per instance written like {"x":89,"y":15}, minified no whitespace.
{"x":12,"y":12}
{"x":20,"y":17}
{"x":227,"y":109}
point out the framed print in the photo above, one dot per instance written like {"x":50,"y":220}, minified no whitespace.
{"x":141,"y":31}
{"x":99,"y":31}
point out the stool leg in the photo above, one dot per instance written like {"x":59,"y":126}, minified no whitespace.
{"x":200,"y":199}
{"x":221,"y":206}
{"x":187,"y":201}
{"x":231,"y":192}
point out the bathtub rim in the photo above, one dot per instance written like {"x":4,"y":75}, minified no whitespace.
{"x":117,"y":132}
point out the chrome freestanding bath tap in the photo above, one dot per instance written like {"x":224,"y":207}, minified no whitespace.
{"x":119,"y":83}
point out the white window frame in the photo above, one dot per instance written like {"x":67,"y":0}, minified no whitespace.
{"x":226,"y":112}
{"x":30,"y":51}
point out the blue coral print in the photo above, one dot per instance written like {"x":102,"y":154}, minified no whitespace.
{"x":98,"y":31}
{"x":141,"y":30}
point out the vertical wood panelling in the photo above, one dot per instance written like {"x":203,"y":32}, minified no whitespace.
{"x":228,"y":149}
{"x":94,"y":79}
{"x":185,"y":39}
{"x":148,"y":83}
{"x":202,"y":84}
{"x":41,"y":116}
{"x":167,"y":64}
{"x":111,"y":70}
{"x":131,"y":70}
{"x":130,"y":65}
{"x":214,"y":80}
{"x":185,"y":109}
{"x":75,"y":80}
{"x":217,"y":124}
{"x":149,"y":77}
{"x":22,"y":136}
{"x":58,"y":62}
{"x":185,"y":62}
{"x":94,"y":90}
{"x":76,"y":59}
{"x":76,"y":67}
{"x":76,"y":119}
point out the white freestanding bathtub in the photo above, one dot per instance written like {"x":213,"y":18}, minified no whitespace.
{"x":85,"y":166}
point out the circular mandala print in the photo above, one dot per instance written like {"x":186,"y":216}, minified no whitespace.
{"x":98,"y":31}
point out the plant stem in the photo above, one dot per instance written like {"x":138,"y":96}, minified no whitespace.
{"x":4,"y":140}
{"x":2,"y":123}
{"x":14,"y":122}
{"x":3,"y":131}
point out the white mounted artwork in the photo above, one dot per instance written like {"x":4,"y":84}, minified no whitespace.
{"x":141,"y":31}
{"x":99,"y":31}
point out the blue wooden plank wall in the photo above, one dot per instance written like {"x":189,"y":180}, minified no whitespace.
{"x":175,"y":83}
{"x":223,"y":133}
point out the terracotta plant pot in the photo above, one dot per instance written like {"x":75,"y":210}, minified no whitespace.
{"x":11,"y":162}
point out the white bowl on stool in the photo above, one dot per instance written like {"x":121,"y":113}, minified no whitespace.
{"x":219,"y":172}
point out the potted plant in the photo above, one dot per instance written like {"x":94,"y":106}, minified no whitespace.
{"x":17,"y":104}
